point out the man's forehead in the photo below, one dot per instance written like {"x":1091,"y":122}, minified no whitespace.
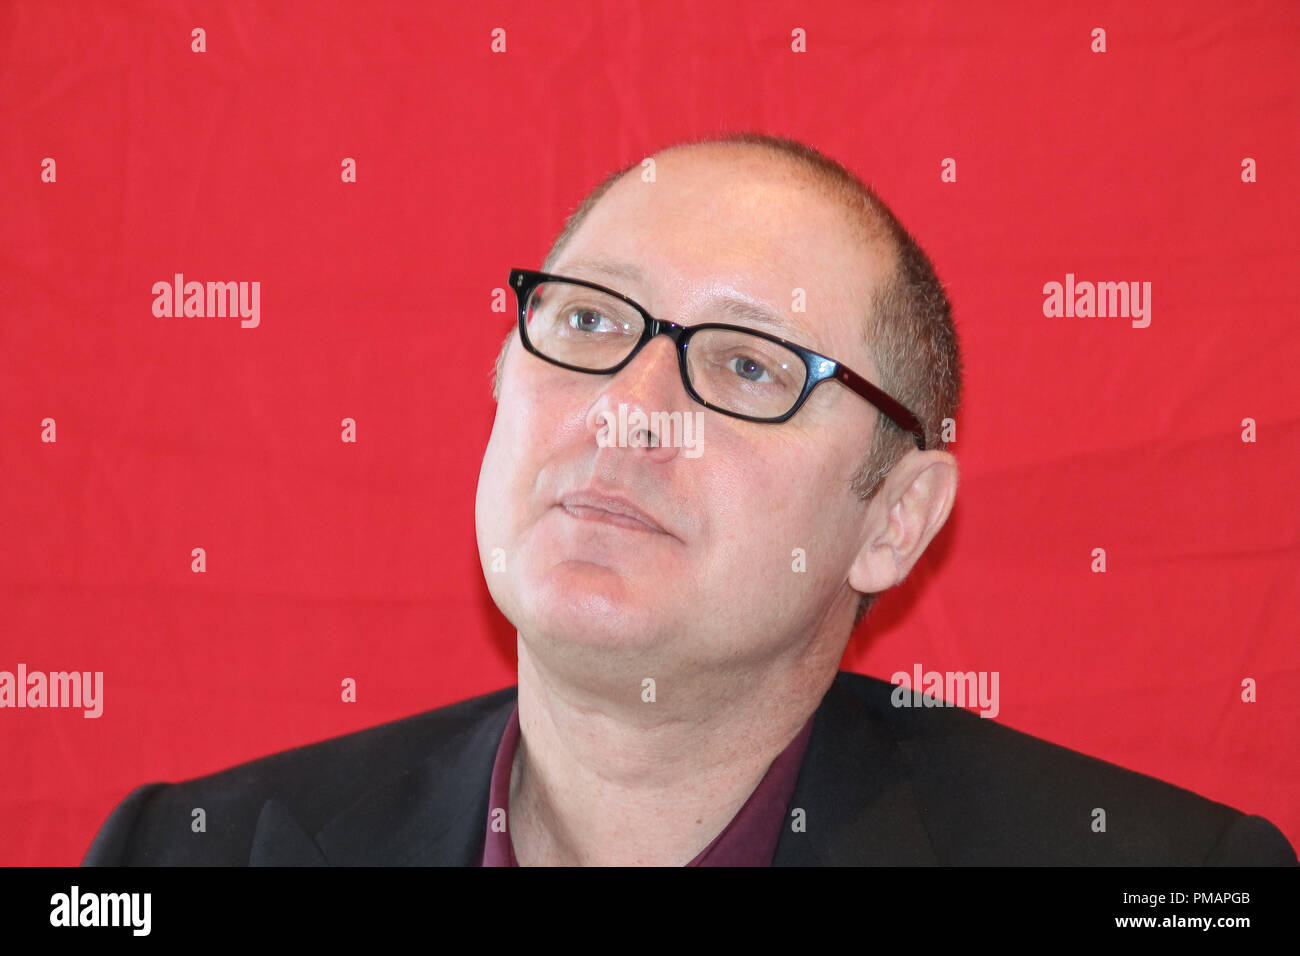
{"x":736,"y":210}
{"x":606,"y":268}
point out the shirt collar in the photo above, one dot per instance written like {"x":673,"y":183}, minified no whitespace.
{"x":748,"y":840}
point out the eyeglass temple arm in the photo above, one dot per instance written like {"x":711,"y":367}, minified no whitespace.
{"x":893,"y":410}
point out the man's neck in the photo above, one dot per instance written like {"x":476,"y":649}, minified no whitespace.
{"x":632,"y":782}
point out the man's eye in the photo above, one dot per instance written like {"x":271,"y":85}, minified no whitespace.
{"x":749,"y":369}
{"x":586,"y":320}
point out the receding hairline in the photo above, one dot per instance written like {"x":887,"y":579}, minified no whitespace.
{"x":867,"y":218}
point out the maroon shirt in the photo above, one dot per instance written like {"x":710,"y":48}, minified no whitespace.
{"x":748,"y":840}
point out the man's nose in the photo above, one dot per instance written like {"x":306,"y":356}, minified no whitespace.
{"x":635,"y":404}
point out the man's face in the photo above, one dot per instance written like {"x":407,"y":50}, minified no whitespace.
{"x":718,"y":587}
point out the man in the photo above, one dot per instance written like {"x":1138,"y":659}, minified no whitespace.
{"x":683,"y":601}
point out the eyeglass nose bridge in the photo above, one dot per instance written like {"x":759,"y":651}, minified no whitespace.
{"x":680,"y":335}
{"x":681,"y":338}
{"x":655,"y":327}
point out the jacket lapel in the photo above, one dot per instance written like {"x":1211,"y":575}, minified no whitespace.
{"x":856,"y":792}
{"x":280,"y":841}
{"x":432,"y":815}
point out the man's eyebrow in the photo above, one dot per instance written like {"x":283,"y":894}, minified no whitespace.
{"x":611,"y":267}
{"x":737,"y":310}
{"x":742,"y":311}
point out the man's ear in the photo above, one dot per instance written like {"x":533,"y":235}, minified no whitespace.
{"x":902,"y":519}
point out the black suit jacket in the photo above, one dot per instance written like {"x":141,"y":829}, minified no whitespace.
{"x":878,"y":785}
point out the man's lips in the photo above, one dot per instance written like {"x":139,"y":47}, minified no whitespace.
{"x":593,"y":506}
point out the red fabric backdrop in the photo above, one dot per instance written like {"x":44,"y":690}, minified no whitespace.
{"x":328,"y":560}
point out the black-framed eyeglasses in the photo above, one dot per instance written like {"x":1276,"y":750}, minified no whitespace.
{"x":740,"y":372}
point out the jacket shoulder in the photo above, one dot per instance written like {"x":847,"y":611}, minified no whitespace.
{"x":991,"y":794}
{"x":315,"y":782}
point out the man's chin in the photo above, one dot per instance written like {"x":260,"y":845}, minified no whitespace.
{"x":580,"y":603}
